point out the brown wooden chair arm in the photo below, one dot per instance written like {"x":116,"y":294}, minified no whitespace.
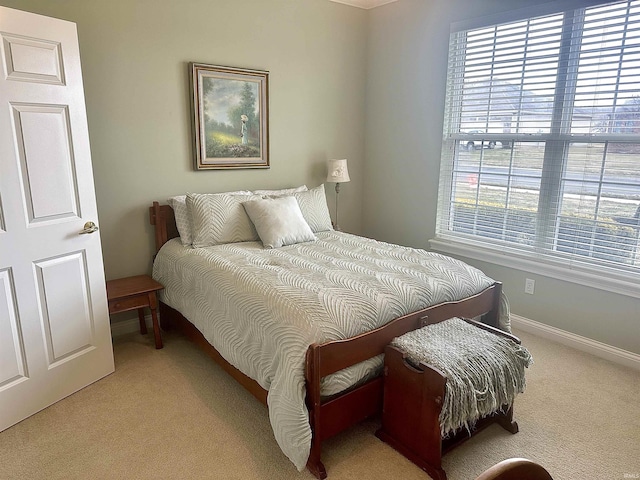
{"x":515,"y":469}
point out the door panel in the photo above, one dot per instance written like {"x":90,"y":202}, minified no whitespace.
{"x":12,"y":362}
{"x":1,"y":216}
{"x":33,"y":60}
{"x":42,"y":137}
{"x":54,"y":325}
{"x":64,"y":306}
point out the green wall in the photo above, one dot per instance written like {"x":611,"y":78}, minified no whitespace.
{"x":135,"y":57}
{"x":406,"y":75}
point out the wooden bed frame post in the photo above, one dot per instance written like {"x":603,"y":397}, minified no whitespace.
{"x":163,"y":220}
{"x":493,"y":316}
{"x":161,"y":226}
{"x":314,"y":464}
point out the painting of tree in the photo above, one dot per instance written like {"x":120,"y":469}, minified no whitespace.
{"x":231,"y":108}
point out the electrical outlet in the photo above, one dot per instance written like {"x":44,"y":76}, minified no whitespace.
{"x":529,"y":286}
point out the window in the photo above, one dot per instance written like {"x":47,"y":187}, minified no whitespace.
{"x":541,"y":150}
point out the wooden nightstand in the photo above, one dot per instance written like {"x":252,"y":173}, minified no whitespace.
{"x":136,"y":293}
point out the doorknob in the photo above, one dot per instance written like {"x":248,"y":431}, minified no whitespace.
{"x":89,"y":227}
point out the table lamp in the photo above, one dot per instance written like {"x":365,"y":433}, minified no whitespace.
{"x":337,"y":173}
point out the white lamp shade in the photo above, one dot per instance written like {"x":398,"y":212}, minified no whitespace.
{"x":338,"y":172}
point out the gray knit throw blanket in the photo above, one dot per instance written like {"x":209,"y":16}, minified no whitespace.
{"x":484,"y":371}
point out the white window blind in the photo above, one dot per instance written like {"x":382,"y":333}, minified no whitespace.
{"x":541,"y":149}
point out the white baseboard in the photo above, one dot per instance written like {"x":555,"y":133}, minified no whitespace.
{"x":599,"y":349}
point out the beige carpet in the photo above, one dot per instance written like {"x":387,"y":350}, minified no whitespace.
{"x":174,"y":414}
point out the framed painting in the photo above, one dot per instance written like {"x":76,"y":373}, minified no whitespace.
{"x":231,"y":117}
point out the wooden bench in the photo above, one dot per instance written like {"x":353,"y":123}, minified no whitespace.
{"x":413,"y":399}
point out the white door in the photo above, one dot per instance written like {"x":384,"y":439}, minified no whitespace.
{"x":54,"y":323}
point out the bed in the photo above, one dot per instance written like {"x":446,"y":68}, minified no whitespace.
{"x":319,"y":407}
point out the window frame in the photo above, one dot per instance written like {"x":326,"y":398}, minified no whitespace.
{"x":539,"y":259}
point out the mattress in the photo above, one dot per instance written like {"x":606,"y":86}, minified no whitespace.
{"x":262,"y":308}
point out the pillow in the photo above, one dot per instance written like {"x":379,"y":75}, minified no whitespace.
{"x":313,"y":205}
{"x":179,"y":206}
{"x":279,"y":221}
{"x":284,"y":191}
{"x":183,"y":222}
{"x":218,"y":219}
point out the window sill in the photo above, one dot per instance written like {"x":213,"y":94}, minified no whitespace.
{"x":602,"y":278}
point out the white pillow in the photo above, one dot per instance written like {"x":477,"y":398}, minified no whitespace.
{"x":279,"y":221}
{"x":218,"y":219}
{"x":313,"y":205}
{"x":180,"y":212}
{"x":183,"y":222}
{"x":284,"y":191}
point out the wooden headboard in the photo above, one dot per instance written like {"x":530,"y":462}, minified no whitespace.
{"x":164,"y":222}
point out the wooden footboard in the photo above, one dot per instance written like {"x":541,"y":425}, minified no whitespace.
{"x":328,"y":417}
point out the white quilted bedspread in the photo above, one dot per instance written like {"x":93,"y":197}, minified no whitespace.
{"x":261,"y":309}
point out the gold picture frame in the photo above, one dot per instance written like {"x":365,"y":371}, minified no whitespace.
{"x":230,"y":117}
